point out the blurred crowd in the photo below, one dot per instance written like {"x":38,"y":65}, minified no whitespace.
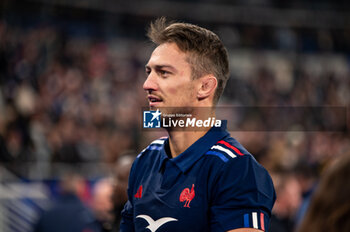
{"x":77,"y":100}
{"x":67,"y":100}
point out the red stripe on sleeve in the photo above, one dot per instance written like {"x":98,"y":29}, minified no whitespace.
{"x":230,"y":146}
{"x":262,"y":221}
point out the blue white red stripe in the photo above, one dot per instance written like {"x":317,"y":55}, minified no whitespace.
{"x":227,"y":151}
{"x":221,"y":148}
{"x":251,"y":220}
{"x":235,"y":149}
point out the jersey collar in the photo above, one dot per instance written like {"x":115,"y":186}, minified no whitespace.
{"x":186,"y":159}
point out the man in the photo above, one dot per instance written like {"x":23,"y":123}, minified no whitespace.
{"x":195,"y":180}
{"x":102,"y":203}
{"x":69,"y":213}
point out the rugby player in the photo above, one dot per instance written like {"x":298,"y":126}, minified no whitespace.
{"x":194,"y":180}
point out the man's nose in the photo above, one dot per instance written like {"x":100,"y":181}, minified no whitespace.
{"x":150,"y":83}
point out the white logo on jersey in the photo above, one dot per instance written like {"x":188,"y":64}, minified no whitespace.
{"x":154,"y":225}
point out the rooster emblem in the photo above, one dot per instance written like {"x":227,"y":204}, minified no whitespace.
{"x":187,"y":196}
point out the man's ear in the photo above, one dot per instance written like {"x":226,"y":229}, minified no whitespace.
{"x":208,"y":84}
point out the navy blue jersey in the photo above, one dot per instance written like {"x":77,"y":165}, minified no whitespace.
{"x":215,"y":185}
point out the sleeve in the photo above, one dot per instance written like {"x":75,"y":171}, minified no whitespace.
{"x":127,"y":220}
{"x":126,"y":224}
{"x":242,"y":197}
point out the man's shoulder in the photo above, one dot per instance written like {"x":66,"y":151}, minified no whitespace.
{"x":241,"y":173}
{"x":153,"y":148}
{"x":229,"y":156}
{"x":149,"y":158}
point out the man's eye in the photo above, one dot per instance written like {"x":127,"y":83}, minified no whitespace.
{"x":148,"y":72}
{"x":162,"y":72}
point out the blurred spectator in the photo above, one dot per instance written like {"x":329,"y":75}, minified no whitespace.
{"x":288,"y":199}
{"x":67,"y":152}
{"x":307,"y":177}
{"x":102,"y":203}
{"x":69,"y":214}
{"x":110,"y":195}
{"x":16,"y":144}
{"x":120,"y":197}
{"x":330,"y":205}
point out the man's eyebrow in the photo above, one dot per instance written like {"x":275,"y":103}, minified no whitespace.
{"x":157,"y":67}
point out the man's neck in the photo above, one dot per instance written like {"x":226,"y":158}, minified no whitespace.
{"x":180,"y":140}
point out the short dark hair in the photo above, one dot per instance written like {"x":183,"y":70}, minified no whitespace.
{"x":207,"y":54}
